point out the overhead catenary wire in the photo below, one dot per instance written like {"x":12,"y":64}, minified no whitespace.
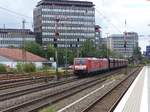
{"x":117,"y":19}
{"x":16,"y":13}
{"x":23,"y":16}
{"x":107,"y":20}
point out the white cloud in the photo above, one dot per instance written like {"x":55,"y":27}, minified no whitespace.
{"x":111,"y":12}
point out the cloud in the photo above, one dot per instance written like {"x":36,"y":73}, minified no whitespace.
{"x":24,"y":7}
{"x":110,"y":14}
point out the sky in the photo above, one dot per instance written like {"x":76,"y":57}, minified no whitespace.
{"x":110,"y":15}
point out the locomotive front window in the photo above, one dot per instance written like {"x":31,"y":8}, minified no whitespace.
{"x":80,"y":62}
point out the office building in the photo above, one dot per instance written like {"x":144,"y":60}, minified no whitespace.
{"x":72,"y":21}
{"x":116,"y":43}
{"x":147,"y":54}
{"x":15,"y":37}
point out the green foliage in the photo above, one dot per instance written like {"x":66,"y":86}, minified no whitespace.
{"x":13,"y":70}
{"x":50,"y":51}
{"x":137,"y":56}
{"x":102,"y":52}
{"x":19,"y":67}
{"x":87,"y":50}
{"x":48,"y":109}
{"x":3,"y":68}
{"x":25,"y":67}
{"x":137,"y":53}
{"x":35,"y":48}
{"x":29,"y":67}
{"x":145,"y":61}
{"x":71,"y":55}
{"x":61,"y":55}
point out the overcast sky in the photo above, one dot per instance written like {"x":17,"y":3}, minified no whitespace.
{"x":110,"y":15}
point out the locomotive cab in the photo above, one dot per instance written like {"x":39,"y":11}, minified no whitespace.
{"x":80,"y":66}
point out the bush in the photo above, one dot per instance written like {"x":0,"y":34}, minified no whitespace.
{"x":26,"y":67}
{"x":3,"y":68}
{"x":29,"y":67}
{"x":19,"y":67}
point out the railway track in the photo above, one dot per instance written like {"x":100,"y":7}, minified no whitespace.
{"x":17,"y":83}
{"x":55,"y":95}
{"x":14,"y":92}
{"x":20,"y":83}
{"x":111,"y":98}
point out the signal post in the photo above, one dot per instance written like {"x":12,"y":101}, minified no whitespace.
{"x":55,"y":45}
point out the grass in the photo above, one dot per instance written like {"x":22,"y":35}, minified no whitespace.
{"x":48,"y":109}
{"x":52,"y":72}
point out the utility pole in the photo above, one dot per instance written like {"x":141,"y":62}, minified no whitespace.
{"x":55,"y":45}
{"x":66,"y":56}
{"x":107,"y":44}
{"x":77,"y":46}
{"x":66,"y":50}
{"x":125,"y":43}
{"x":23,"y":41}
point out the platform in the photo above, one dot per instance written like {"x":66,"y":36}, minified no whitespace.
{"x":137,"y":98}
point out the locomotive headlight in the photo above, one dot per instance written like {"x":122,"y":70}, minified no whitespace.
{"x":80,"y":67}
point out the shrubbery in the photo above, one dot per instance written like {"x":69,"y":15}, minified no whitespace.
{"x":26,"y":67}
{"x":29,"y":67}
{"x":3,"y":68}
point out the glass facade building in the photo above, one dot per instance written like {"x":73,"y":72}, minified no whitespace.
{"x":76,"y":22}
{"x":147,"y":51}
{"x":14,"y":37}
{"x":117,"y":43}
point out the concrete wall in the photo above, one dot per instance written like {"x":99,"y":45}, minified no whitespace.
{"x":13,"y":64}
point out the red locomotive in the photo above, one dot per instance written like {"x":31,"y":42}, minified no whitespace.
{"x":86,"y":66}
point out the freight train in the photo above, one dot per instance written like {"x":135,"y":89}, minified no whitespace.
{"x":87,"y":66}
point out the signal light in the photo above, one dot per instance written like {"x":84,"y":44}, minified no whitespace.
{"x":55,"y":45}
{"x":125,"y":44}
{"x":56,"y":34}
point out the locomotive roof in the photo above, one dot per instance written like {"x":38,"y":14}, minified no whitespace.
{"x":90,"y":58}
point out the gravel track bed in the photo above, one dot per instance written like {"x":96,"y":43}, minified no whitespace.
{"x":49,"y":100}
{"x":71,"y":99}
{"x":20,"y":83}
{"x":15,"y":92}
{"x":82,"y":104}
{"x":47,"y":92}
{"x":18,"y":80}
{"x":24,"y":98}
{"x":28,"y":82}
{"x":108,"y":103}
{"x":79,"y":106}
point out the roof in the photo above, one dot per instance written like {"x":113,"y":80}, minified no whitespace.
{"x":17,"y":55}
{"x":26,"y":31}
{"x":66,"y":3}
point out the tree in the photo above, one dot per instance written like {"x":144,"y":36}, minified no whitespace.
{"x":137,"y":55}
{"x":61,"y":54}
{"x":87,"y":50}
{"x":35,"y":48}
{"x":50,"y":51}
{"x":102,"y":52}
{"x":71,"y":56}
